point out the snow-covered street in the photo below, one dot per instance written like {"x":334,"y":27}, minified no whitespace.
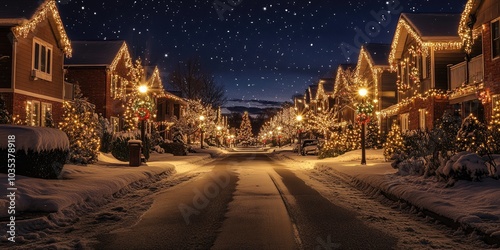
{"x":245,"y":199}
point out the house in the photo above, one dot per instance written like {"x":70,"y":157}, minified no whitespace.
{"x":324,"y":94}
{"x":475,"y":82}
{"x":33,"y":44}
{"x":342,"y":93}
{"x":169,"y":107}
{"x":299,"y":103}
{"x":374,"y":72}
{"x":423,"y":46}
{"x":311,"y":102}
{"x":103,"y":69}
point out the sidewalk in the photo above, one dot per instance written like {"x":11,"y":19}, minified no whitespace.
{"x":91,"y":185}
{"x":474,"y":206}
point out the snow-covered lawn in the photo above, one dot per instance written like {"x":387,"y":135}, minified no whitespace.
{"x":472,"y":204}
{"x":92,"y":185}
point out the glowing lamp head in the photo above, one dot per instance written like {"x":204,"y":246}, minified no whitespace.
{"x":219,"y":128}
{"x":143,"y":89}
{"x":202,"y":118}
{"x":300,"y":118}
{"x":363,"y":92}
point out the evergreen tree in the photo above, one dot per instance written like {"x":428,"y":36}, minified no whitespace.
{"x":472,"y":136}
{"x":394,"y":144}
{"x":353,"y":134}
{"x":5,"y":117}
{"x":245,"y":131}
{"x":80,"y":123}
{"x":494,"y":130}
{"x":49,"y":122}
{"x":373,"y":137}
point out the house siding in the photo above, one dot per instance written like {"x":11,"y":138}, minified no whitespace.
{"x":6,"y":62}
{"x":19,"y":107}
{"x":491,"y":69}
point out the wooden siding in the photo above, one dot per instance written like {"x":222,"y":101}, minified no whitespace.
{"x":92,"y":81}
{"x":442,"y":59}
{"x":24,"y":81}
{"x":6,"y":62}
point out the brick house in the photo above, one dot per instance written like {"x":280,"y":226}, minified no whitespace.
{"x":33,"y":44}
{"x":103,"y":71}
{"x":373,"y":69}
{"x":475,"y":83}
{"x":422,"y":48}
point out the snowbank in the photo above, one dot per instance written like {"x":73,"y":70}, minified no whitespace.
{"x":37,"y":139}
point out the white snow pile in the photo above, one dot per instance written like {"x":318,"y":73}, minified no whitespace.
{"x":37,"y":139}
{"x":469,"y":166}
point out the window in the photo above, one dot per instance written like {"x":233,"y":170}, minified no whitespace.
{"x":33,"y":113}
{"x":42,"y":60}
{"x":46,"y":111}
{"x":495,"y":38}
{"x":115,"y":124}
{"x":112,"y":86}
{"x":405,"y":122}
{"x":421,"y":120}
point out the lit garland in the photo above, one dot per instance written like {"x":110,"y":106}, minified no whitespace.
{"x":411,"y":69}
{"x":464,"y":31}
{"x":422,"y":45}
{"x":465,"y":89}
{"x":41,"y":15}
{"x":432,"y":93}
{"x":123,"y":52}
{"x":375,"y":70}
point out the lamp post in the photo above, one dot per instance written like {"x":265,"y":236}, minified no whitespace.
{"x":219,"y":128}
{"x":363,"y":92}
{"x":143,"y":89}
{"x":299,"y":119}
{"x":202,"y":118}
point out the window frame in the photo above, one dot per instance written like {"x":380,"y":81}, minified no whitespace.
{"x":405,"y":122}
{"x":115,"y":124}
{"x":422,"y":118}
{"x":495,"y":55}
{"x":45,"y":106}
{"x":36,"y":59}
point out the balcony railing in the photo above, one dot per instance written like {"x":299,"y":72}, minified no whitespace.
{"x":458,"y":72}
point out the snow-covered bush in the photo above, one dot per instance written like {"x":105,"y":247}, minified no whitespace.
{"x":120,"y":149}
{"x":464,"y":166}
{"x":177,"y":149}
{"x":39,"y":152}
{"x":412,"y":166}
{"x":334,"y":147}
{"x":158,"y":149}
{"x":472,"y":136}
{"x":105,"y":133}
{"x":5,"y":117}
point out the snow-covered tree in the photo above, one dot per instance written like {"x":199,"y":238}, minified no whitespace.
{"x":190,"y":122}
{"x":394,"y":143}
{"x":472,"y":136}
{"x":80,"y":123}
{"x":245,"y":131}
{"x":5,"y":117}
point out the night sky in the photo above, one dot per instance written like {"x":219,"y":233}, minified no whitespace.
{"x":265,"y":50}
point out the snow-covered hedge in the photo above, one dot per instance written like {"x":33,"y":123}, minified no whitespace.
{"x":39,"y":152}
{"x":469,"y":166}
{"x":177,"y":149}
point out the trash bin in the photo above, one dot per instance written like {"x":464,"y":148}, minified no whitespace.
{"x":135,"y":152}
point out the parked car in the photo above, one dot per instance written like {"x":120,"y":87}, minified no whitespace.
{"x":309,"y":146}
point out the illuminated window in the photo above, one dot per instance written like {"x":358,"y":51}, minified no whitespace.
{"x":495,"y":38}
{"x":46,"y":110}
{"x":42,"y":60}
{"x":33,"y":113}
{"x":421,"y":120}
{"x":405,"y":122}
{"x":115,"y":124}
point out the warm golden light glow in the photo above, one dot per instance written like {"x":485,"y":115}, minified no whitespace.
{"x":363,"y":92}
{"x":143,"y":89}
{"x":299,"y":118}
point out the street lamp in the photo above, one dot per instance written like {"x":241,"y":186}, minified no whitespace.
{"x":143,"y":89}
{"x":363,"y":92}
{"x":219,"y":128}
{"x":202,"y":118}
{"x":299,"y":119}
{"x":279,"y":137}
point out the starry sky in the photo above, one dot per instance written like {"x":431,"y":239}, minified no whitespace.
{"x":258,"y":49}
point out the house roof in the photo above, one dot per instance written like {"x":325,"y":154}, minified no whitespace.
{"x":25,"y":15}
{"x":429,"y":25}
{"x":18,"y":9}
{"x":471,"y":7}
{"x":94,"y":52}
{"x":379,"y":53}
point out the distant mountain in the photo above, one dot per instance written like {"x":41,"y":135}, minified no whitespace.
{"x":254,"y":107}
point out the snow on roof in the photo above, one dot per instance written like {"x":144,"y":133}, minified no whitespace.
{"x":379,"y":53}
{"x":94,"y":52}
{"x":430,"y":25}
{"x":35,"y":138}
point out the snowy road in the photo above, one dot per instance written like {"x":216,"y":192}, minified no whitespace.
{"x":240,"y":205}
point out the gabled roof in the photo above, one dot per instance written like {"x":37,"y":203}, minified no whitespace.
{"x":471,"y":7}
{"x":95,"y":53}
{"x":379,"y":53}
{"x":434,"y":26}
{"x":25,"y":15}
{"x":438,"y":31}
{"x":313,"y":89}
